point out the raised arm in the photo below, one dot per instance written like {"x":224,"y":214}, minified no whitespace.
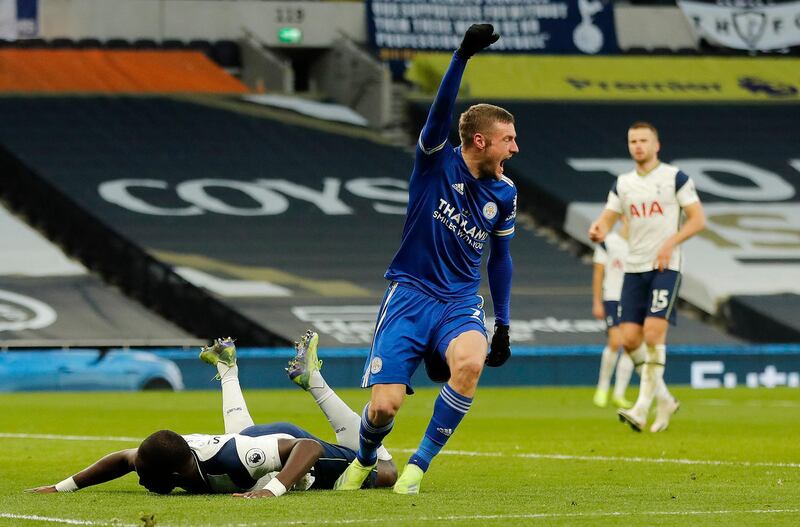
{"x":297,"y":456}
{"x":437,"y":126}
{"x":112,"y":466}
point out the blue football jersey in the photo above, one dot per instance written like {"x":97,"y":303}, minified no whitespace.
{"x":449,"y":219}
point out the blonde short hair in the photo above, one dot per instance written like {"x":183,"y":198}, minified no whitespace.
{"x":478,"y":118}
{"x":644,"y":124}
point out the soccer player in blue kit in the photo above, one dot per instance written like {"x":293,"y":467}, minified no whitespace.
{"x":459,"y":201}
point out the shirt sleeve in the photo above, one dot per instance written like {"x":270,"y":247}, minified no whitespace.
{"x":600,"y":254}
{"x":685,"y":192}
{"x":613,"y":202}
{"x":500,"y":269}
{"x":505,"y":227}
{"x":434,"y":134}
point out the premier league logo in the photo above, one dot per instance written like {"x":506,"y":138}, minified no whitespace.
{"x":255,"y":457}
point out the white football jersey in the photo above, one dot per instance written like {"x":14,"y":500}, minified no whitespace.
{"x":653,"y":204}
{"x":237,"y":463}
{"x":612,"y":254}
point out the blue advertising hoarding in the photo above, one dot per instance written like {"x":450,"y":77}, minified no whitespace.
{"x":544,"y":26}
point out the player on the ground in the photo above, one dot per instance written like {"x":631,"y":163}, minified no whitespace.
{"x":459,"y":201}
{"x":609,"y":271}
{"x":248,"y":460}
{"x":652,"y":197}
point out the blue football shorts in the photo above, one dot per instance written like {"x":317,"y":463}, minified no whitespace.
{"x":650,"y":294}
{"x":412,"y":324}
{"x":611,"y":308}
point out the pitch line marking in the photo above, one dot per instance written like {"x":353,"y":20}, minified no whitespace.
{"x":68,"y":521}
{"x":542,"y":515}
{"x":476,"y":517}
{"x":467,"y":453}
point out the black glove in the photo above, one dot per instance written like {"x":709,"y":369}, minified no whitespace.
{"x":500,"y":350}
{"x":477,"y":37}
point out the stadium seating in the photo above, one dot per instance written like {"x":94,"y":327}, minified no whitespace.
{"x":272,"y":228}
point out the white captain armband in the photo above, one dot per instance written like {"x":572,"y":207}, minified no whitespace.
{"x":68,"y":485}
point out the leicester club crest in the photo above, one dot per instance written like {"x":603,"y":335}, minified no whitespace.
{"x":490,"y":210}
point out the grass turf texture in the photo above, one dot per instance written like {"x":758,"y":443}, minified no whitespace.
{"x":499,"y":488}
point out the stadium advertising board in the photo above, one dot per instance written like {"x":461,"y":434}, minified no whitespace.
{"x":746,"y":24}
{"x":617,"y":78}
{"x":545,"y":26}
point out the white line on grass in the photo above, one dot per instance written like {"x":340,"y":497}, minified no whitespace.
{"x":467,"y":453}
{"x":417,"y":519}
{"x":68,"y":521}
{"x":542,"y":515}
{"x":69,"y":438}
{"x":570,"y":457}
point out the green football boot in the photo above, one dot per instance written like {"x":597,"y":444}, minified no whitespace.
{"x":353,"y":477}
{"x":222,"y":350}
{"x":305,"y":360}
{"x":409,"y":480}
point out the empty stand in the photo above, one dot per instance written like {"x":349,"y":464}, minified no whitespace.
{"x":290,"y":225}
{"x":47,"y":298}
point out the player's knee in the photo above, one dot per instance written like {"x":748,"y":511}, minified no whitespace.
{"x":653,"y":336}
{"x":467,"y":369}
{"x":615,"y":343}
{"x":631,"y":342}
{"x":382,"y":411}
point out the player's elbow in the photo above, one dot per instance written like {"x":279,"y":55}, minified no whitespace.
{"x":311,"y":450}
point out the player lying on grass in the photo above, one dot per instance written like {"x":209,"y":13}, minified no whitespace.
{"x":251,"y":461}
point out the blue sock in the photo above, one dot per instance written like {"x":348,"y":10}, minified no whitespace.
{"x":449,"y":409}
{"x":371,"y":437}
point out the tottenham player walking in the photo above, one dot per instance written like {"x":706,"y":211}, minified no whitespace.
{"x":609,"y":271}
{"x":459,"y":202}
{"x":652,"y":197}
{"x":249,"y":460}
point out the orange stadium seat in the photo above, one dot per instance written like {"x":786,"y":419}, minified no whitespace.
{"x":118,"y":71}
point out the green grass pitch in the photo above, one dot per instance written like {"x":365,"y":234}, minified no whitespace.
{"x":523,"y":456}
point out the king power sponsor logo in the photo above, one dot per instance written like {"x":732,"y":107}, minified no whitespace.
{"x":20,"y":312}
{"x":713,"y":374}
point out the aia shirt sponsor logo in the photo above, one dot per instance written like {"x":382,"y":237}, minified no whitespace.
{"x":645,"y":210}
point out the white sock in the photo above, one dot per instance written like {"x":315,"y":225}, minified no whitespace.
{"x":662,"y":392}
{"x":607,"y":360}
{"x":234,"y":409}
{"x":639,"y":357}
{"x":623,"y":375}
{"x":344,"y":421}
{"x":652,"y":379}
